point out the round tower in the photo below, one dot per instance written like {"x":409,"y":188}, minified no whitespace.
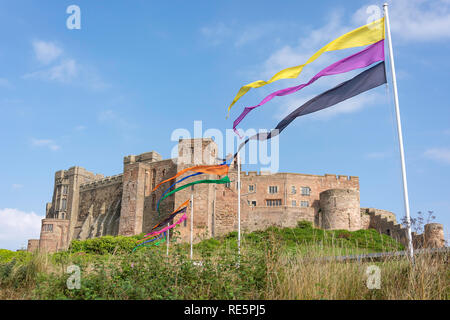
{"x":434,"y":235}
{"x":340,"y":209}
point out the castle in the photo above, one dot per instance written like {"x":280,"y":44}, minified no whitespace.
{"x":87,"y":205}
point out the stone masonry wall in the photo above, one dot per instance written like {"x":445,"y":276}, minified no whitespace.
{"x":54,"y":235}
{"x":99,"y":208}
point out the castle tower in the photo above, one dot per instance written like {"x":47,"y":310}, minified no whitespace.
{"x":193,"y":152}
{"x":434,"y":235}
{"x":340,"y":209}
{"x":61,"y":214}
{"x":138,"y":171}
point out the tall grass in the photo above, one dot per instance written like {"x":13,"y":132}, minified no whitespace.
{"x":275,"y":264}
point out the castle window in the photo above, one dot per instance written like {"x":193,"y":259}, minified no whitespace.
{"x":227,"y":185}
{"x":153,"y":202}
{"x":47,"y":228}
{"x":273,"y":203}
{"x":164,"y":172}
{"x":251,"y":188}
{"x":251,"y":203}
{"x":65,"y":188}
{"x":273,"y":189}
{"x":293,"y":190}
{"x":294,"y":203}
{"x":62,"y":215}
{"x":153,"y":178}
{"x":306,"y":191}
{"x":64,"y":204}
{"x":304,"y":204}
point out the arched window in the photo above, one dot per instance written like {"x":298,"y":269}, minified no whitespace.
{"x":153,"y":178}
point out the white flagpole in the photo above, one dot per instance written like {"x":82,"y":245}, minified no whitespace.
{"x":239,"y":203}
{"x":400,"y":135}
{"x":168,"y":240}
{"x":192,"y":218}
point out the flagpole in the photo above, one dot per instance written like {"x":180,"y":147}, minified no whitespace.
{"x":192,"y":217}
{"x":239,"y":203}
{"x":400,"y":135}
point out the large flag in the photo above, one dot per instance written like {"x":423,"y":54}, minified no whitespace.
{"x":366,"y":80}
{"x":219,"y":169}
{"x":362,"y":36}
{"x":361,"y":59}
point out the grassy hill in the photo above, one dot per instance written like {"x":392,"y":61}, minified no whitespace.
{"x":278,"y":263}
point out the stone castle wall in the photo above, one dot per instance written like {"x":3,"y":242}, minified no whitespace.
{"x":86,"y":205}
{"x":340,"y":209}
{"x":99,"y":208}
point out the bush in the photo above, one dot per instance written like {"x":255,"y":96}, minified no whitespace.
{"x":304,"y":224}
{"x":105,"y":245}
{"x":20,"y":256}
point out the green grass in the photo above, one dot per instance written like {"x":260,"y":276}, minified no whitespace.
{"x":274,"y":264}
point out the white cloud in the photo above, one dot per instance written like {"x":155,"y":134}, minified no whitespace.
{"x":65,"y":71}
{"x":45,"y":143}
{"x":17,"y":186}
{"x":236,"y":34}
{"x":5,"y":83}
{"x":46,"y":52}
{"x":62,"y":68}
{"x":415,"y":20}
{"x":289,"y":56}
{"x":216,"y":34}
{"x":17,"y":227}
{"x":438,"y":154}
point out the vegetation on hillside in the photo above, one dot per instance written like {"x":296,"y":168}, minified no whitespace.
{"x":278,"y":263}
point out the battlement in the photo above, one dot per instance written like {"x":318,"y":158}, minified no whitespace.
{"x":340,"y":177}
{"x":102,"y":183}
{"x":326,"y":176}
{"x":151,"y":156}
{"x":64,"y":174}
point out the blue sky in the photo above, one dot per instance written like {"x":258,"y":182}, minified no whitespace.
{"x":136,"y":71}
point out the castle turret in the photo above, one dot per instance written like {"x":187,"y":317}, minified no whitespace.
{"x":340,"y":209}
{"x":434,"y":235}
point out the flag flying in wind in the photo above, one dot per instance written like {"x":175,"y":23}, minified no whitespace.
{"x":361,"y":59}
{"x":366,"y":80}
{"x":219,"y":169}
{"x":362,"y":36}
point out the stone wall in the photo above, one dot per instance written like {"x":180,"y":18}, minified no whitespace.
{"x":340,"y":209}
{"x":33,"y":245}
{"x":154,"y":174}
{"x":289,"y":188}
{"x":54,"y":235}
{"x":434,"y":235}
{"x":99,"y":208}
{"x":205,"y":151}
{"x":86,"y":205}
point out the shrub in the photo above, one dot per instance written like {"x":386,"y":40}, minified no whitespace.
{"x":304,"y":224}
{"x":105,"y":245}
